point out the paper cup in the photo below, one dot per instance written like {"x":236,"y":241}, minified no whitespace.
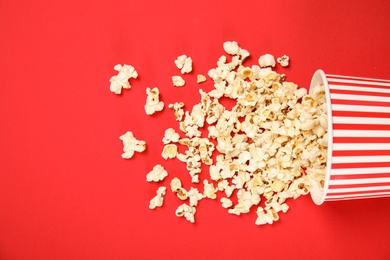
{"x":358,"y":162}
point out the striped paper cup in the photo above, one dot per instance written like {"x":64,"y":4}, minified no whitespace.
{"x":358,"y":164}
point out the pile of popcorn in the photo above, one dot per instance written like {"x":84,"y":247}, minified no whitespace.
{"x":269,"y":147}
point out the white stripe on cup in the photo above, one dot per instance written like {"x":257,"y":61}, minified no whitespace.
{"x":361,"y":133}
{"x":363,"y":195}
{"x":360,"y":159}
{"x":359,"y":189}
{"x":361,"y":120}
{"x":361,"y":171}
{"x":359,"y":97}
{"x":358,"y":147}
{"x":359,"y":181}
{"x":353,"y":108}
{"x":355,"y":88}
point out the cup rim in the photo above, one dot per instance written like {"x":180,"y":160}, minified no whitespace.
{"x":317,"y":193}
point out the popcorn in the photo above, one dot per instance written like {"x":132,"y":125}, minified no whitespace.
{"x":157,"y":174}
{"x":131,"y":145}
{"x":226,"y":203}
{"x":267,"y":60}
{"x":186,"y":211}
{"x":209,"y":190}
{"x":284,"y":61}
{"x":184,"y":63}
{"x":231,"y":48}
{"x":178,"y":110}
{"x":121,"y":80}
{"x":200,"y":78}
{"x":178,"y":81}
{"x":170,"y":135}
{"x":194,"y":195}
{"x":158,"y":200}
{"x":175,"y":184}
{"x":169,"y":151}
{"x":271,"y":144}
{"x":153,"y":103}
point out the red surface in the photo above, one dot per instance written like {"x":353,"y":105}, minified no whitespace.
{"x":65,"y":191}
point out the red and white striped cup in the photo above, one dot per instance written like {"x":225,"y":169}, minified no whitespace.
{"x":358,"y":162}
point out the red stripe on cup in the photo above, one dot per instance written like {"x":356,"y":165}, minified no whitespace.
{"x":360,"y":152}
{"x":360,"y":127}
{"x":360,"y":165}
{"x":361,"y":114}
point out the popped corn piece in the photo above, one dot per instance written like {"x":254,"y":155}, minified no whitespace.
{"x":184,"y":63}
{"x":186,"y":211}
{"x":175,"y":184}
{"x":209,"y":190}
{"x":263,"y":217}
{"x":158,"y":200}
{"x":274,"y":131}
{"x":153,"y":103}
{"x":226,"y":203}
{"x":169,"y":151}
{"x":170,"y":135}
{"x":182,"y":193}
{"x":121,"y":80}
{"x":284,"y":61}
{"x":200,"y":78}
{"x":131,"y":145}
{"x":157,"y":174}
{"x":178,"y":81}
{"x":178,"y":110}
{"x":267,"y":60}
{"x":231,"y":47}
{"x":194,"y":195}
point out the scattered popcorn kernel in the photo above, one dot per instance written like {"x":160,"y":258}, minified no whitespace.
{"x":200,"y":78}
{"x":186,"y":211}
{"x":153,"y":103}
{"x":226,"y":203}
{"x":231,"y":48}
{"x":169,"y":151}
{"x":175,"y":184}
{"x":182,"y":193}
{"x":131,"y":145}
{"x":194,"y":195}
{"x":284,"y":61}
{"x":184,"y":63}
{"x":271,"y":144}
{"x":267,"y":60}
{"x":170,"y":135}
{"x":157,"y":174}
{"x":209,"y":190}
{"x":158,"y":200}
{"x":178,"y":110}
{"x":178,"y":81}
{"x":121,"y":80}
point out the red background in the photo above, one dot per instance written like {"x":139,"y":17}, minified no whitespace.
{"x":65,"y":191}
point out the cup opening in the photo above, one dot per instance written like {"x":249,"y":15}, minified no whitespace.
{"x":318,"y":193}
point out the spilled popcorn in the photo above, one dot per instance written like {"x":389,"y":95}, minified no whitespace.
{"x":271,"y":146}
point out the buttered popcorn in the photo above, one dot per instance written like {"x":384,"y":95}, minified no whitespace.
{"x":121,"y":80}
{"x":268,"y":141}
{"x":271,"y":145}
